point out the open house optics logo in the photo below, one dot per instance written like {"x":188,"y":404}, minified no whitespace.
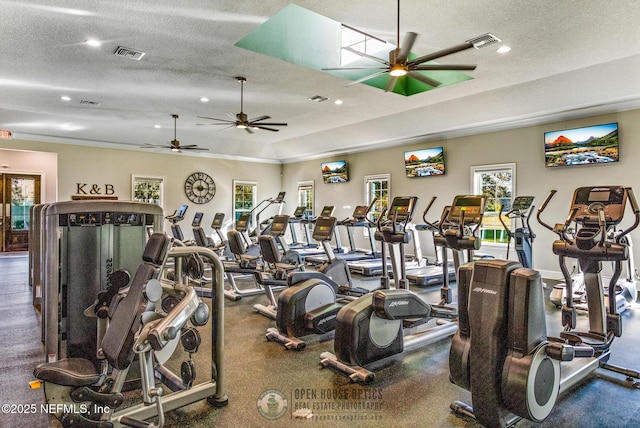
{"x":272,"y":404}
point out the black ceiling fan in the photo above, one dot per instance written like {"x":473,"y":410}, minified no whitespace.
{"x":174,"y":145}
{"x":399,"y":64}
{"x":241,"y":120}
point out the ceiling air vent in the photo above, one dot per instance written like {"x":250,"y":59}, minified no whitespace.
{"x":90,"y":103}
{"x":484,"y":40}
{"x":318,"y":98}
{"x":129,"y":53}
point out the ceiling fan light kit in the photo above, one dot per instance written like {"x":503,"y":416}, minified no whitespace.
{"x":400,"y":66}
{"x":174,"y":145}
{"x":241,"y":120}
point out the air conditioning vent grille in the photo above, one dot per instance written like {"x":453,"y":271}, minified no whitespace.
{"x":129,"y":53}
{"x":484,"y":40}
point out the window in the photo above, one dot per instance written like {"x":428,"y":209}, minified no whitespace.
{"x":378,"y":187}
{"x":147,"y":189}
{"x":305,"y":197}
{"x":23,"y":195}
{"x":244,"y":197}
{"x":498,"y":184}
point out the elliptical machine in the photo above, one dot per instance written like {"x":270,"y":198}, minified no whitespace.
{"x":501,"y":352}
{"x":310,"y":303}
{"x":388,"y":322}
{"x":523,"y":236}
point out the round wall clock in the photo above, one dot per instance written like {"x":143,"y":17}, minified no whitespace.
{"x":199,"y":188}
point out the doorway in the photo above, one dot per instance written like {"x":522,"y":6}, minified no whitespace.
{"x":17,"y":193}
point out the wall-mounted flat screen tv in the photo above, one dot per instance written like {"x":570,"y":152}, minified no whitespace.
{"x":335,"y":172}
{"x":582,"y":146}
{"x":424,"y":163}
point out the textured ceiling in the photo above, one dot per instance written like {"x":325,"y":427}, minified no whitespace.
{"x":568,"y":59}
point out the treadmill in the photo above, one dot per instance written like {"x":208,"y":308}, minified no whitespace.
{"x":430,"y":275}
{"x":373,"y":267}
{"x":358,"y":219}
{"x":316,"y":250}
{"x":298,"y":218}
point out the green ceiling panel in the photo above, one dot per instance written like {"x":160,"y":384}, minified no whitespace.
{"x":303,"y":37}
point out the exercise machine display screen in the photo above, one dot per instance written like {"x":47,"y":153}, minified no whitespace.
{"x":588,"y":201}
{"x":324,"y":228}
{"x":360,"y":212}
{"x":279,"y":225}
{"x":197,"y":219}
{"x":472,"y":205}
{"x":181,"y":212}
{"x":217,"y":221}
{"x":299,"y":212}
{"x":327,"y":211}
{"x":242,"y":222}
{"x":402,"y":208}
{"x":522,"y":203}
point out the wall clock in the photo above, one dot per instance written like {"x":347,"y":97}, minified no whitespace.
{"x":199,"y":188}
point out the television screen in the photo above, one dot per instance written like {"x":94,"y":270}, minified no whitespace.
{"x":335,"y":172}
{"x":582,"y":146}
{"x":424,"y":163}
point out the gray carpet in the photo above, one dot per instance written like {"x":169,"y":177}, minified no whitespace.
{"x":410,"y":390}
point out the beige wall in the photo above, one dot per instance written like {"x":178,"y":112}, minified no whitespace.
{"x":76,"y":164}
{"x":523,"y":146}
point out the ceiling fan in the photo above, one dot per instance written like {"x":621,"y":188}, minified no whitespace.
{"x":399,"y":65}
{"x":241,"y":120}
{"x":174,"y":144}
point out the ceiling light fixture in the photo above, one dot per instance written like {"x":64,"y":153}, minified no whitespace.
{"x":93,"y":43}
{"x":157,"y":126}
{"x":204,"y":99}
{"x":65,"y":98}
{"x":338,"y":102}
{"x":398,"y":70}
{"x":241,"y":125}
{"x":503,"y":49}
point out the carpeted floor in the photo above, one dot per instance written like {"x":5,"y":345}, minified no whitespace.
{"x":411,"y":390}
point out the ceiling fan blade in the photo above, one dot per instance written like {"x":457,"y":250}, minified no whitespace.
{"x":440,"y":53}
{"x":268,"y":124}
{"x":264,"y":127}
{"x":194,"y":148}
{"x":249,"y":130}
{"x":405,"y":49}
{"x":225,"y":122}
{"x":371,"y":76}
{"x":256,"y":119}
{"x":444,"y":67}
{"x":391,"y":84}
{"x":212,"y":118}
{"x":423,"y":78}
{"x":232,"y":115}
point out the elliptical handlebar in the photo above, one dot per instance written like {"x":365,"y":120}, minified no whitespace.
{"x":506,"y":229}
{"x":542,"y":208}
{"x":430,"y":225}
{"x":636,"y":211}
{"x":560,"y":228}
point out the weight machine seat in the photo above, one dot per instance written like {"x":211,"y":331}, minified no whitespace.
{"x":236,"y":245}
{"x":271,"y":254}
{"x":117,"y":344}
{"x":70,"y":372}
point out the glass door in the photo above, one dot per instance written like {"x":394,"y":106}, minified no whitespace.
{"x":18,"y":193}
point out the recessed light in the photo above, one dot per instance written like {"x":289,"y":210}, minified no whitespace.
{"x":503,"y":49}
{"x":338,"y":102}
{"x":65,"y":98}
{"x":204,"y":99}
{"x":93,"y":42}
{"x":157,"y":126}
